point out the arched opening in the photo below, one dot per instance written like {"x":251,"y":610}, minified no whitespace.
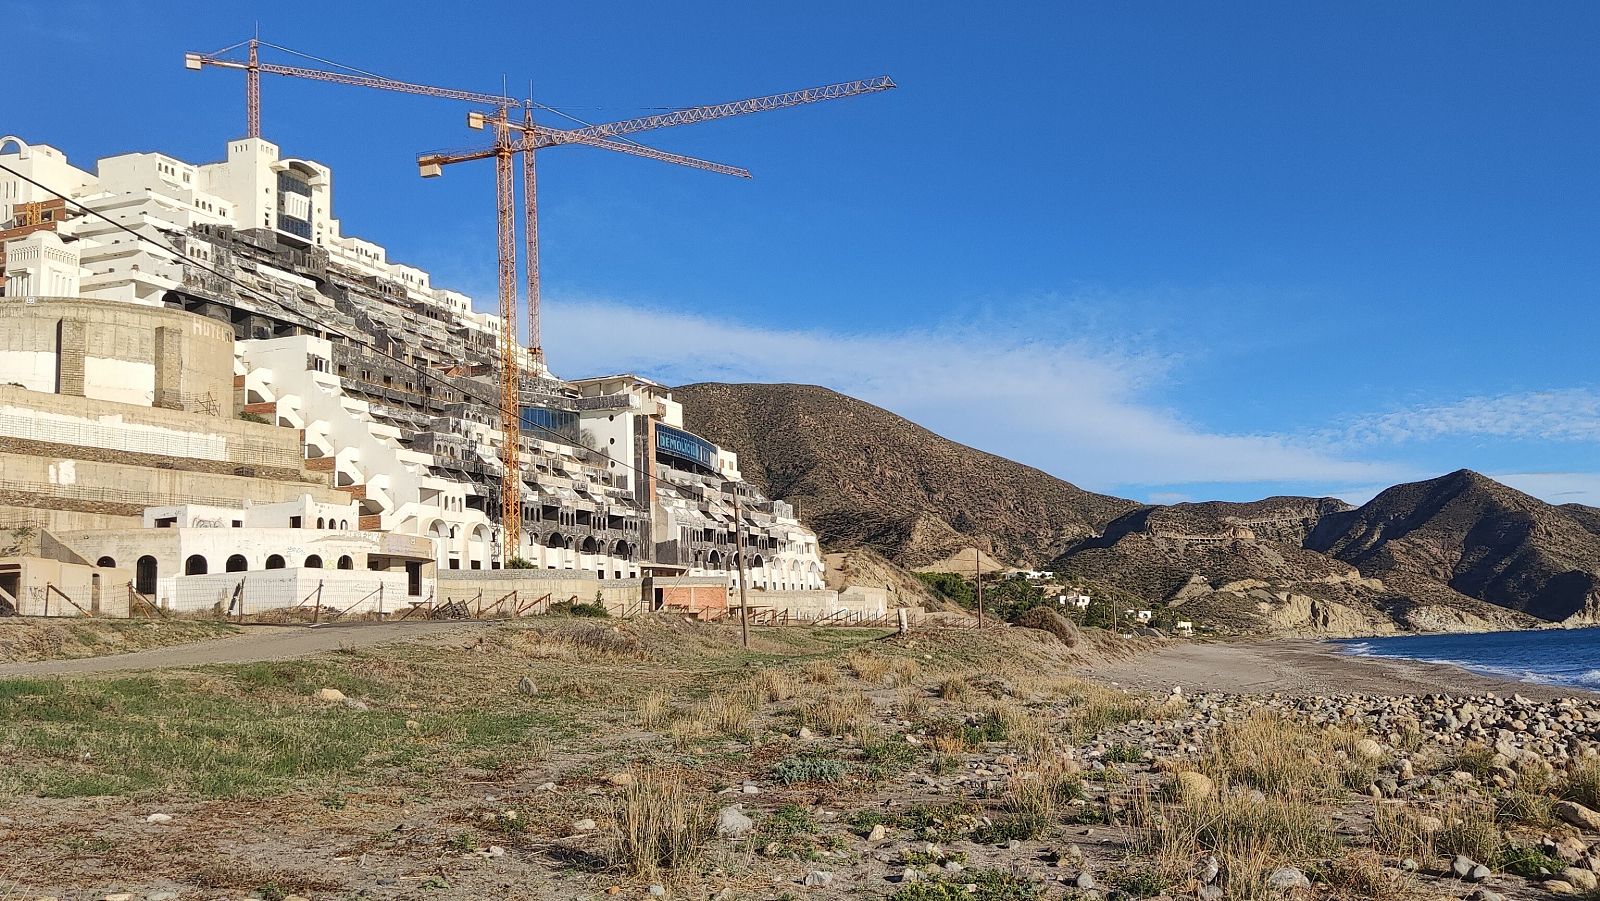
{"x":313,"y":562}
{"x":237,"y":564}
{"x":319,"y":522}
{"x":144,"y":575}
{"x":620,"y":550}
{"x":194,"y":566}
{"x":555,"y":540}
{"x":588,"y":546}
{"x":107,"y":562}
{"x":275,"y":562}
{"x":346,"y":563}
{"x":713,"y":560}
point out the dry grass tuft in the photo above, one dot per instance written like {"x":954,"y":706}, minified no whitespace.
{"x":1250,"y":836}
{"x":912,"y":703}
{"x":658,"y":824}
{"x":954,"y":688}
{"x":1360,"y":875}
{"x":655,"y":708}
{"x":1402,"y":832}
{"x":867,"y":666}
{"x":1583,"y":783}
{"x":1027,"y":731}
{"x":1277,"y":756}
{"x":838,"y":714}
{"x":820,"y":672}
{"x":1470,"y":829}
{"x":774,"y":685}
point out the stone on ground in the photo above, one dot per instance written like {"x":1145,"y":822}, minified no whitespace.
{"x":732,"y":823}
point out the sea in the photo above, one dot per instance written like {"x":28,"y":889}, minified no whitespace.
{"x":1569,"y":657}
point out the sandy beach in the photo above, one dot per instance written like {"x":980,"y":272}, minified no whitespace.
{"x":1301,"y":668}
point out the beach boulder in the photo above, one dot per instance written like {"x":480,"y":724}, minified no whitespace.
{"x":1189,"y":787}
{"x":1578,"y":815}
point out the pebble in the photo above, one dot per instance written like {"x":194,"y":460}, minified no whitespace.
{"x":1085,"y":882}
{"x":330,"y":694}
{"x":657,"y":891}
{"x":583,"y":826}
{"x":158,"y":818}
{"x":733,"y":824}
{"x":1285,"y":878}
{"x":817,"y":878}
{"x":877,"y":834}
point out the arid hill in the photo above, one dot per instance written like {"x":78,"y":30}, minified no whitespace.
{"x":861,"y":475}
{"x":1458,"y":552}
{"x":1477,"y":536}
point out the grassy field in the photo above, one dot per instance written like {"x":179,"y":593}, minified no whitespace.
{"x":585,"y":759}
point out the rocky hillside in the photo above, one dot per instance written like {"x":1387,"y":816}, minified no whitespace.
{"x":1461,"y":552}
{"x":1478,"y":537}
{"x":861,"y":475}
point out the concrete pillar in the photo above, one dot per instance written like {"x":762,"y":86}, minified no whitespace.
{"x":169,"y":368}
{"x":71,"y":345}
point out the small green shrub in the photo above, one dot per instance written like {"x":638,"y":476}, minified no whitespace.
{"x":1529,"y":863}
{"x":809,"y":768}
{"x":988,"y":885}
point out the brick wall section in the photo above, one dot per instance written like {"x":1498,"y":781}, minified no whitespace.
{"x":71,"y":343}
{"x":169,"y":368}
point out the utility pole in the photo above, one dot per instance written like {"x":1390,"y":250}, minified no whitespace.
{"x":977,"y":579}
{"x":744,"y":608}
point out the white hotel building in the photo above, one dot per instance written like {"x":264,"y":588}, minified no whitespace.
{"x":389,"y":380}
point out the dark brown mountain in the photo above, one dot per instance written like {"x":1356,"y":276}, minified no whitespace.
{"x":1458,"y":552}
{"x":1479,"y":537}
{"x":861,"y":475}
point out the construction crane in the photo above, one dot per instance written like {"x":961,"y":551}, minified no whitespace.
{"x":510,"y":369}
{"x":533,"y":137}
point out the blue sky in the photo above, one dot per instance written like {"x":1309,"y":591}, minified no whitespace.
{"x":1164,"y":250}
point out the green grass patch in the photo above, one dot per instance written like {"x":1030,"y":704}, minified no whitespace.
{"x":248,"y":731}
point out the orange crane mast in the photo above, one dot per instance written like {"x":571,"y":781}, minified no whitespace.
{"x":531,"y":137}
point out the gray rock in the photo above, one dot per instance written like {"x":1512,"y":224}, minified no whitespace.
{"x":1478,"y":873}
{"x":1210,"y":870}
{"x":1578,"y":815}
{"x":817,"y":878}
{"x":1209,"y":893}
{"x":1285,"y":878}
{"x":910,"y":874}
{"x":1085,"y":881}
{"x":527,"y":686}
{"x":1483,"y":894}
{"x":657,"y":891}
{"x":877,"y":834}
{"x":733,"y":824}
{"x":1462,"y":865}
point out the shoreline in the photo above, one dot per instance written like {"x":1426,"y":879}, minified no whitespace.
{"x":1303,"y":667}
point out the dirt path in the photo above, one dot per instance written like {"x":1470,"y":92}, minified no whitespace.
{"x":1299,"y":667}
{"x":256,"y":643}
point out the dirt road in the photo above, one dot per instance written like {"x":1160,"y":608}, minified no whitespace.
{"x":256,"y":643}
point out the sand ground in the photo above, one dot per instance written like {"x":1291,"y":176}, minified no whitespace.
{"x":1301,"y":668}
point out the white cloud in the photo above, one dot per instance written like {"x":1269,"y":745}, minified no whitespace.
{"x":1563,"y":415}
{"x":1075,"y":410}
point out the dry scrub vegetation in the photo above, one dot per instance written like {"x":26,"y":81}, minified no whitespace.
{"x":570,"y":758}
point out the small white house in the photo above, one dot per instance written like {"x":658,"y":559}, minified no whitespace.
{"x":1080,"y":601}
{"x":1184,"y":627}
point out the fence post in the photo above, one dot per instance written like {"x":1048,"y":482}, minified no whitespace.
{"x":47,"y":599}
{"x":316,"y":610}
{"x":380,"y":602}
